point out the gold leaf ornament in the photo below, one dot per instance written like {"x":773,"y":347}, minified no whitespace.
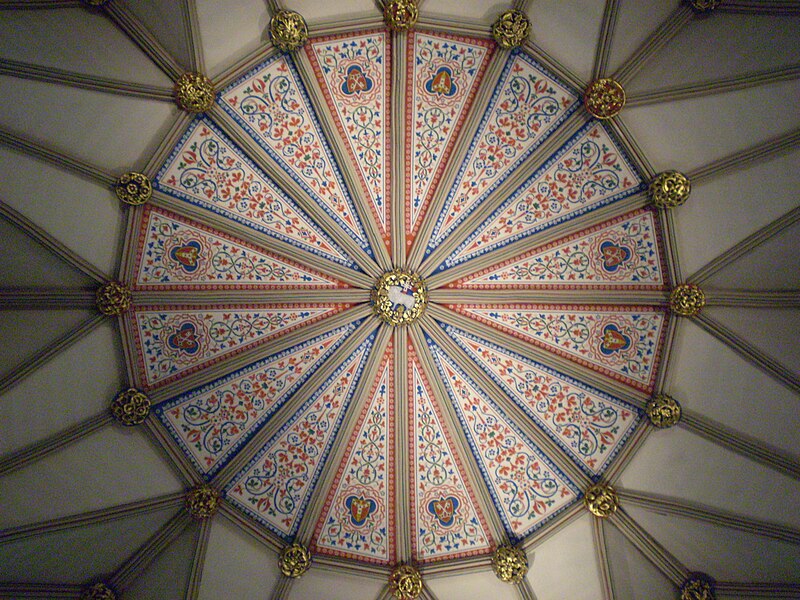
{"x":288,"y":30}
{"x":604,"y":98}
{"x":698,"y":586}
{"x":687,"y":300}
{"x":601,"y":499}
{"x":130,"y":407}
{"x":202,"y":502}
{"x":133,"y":188}
{"x":113,"y":298}
{"x":400,"y":15}
{"x":510,"y":564}
{"x":405,"y":582}
{"x":194,"y":92}
{"x":511,"y":29}
{"x":663,"y":411}
{"x":98,"y":591}
{"x":399,"y":297}
{"x":670,"y":189}
{"x":294,"y":560}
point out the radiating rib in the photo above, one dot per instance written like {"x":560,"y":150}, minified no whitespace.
{"x":605,"y":41}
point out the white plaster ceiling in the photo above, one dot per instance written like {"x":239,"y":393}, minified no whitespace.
{"x":712,"y":377}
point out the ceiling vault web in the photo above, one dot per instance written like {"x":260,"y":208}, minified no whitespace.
{"x":604,"y":43}
{"x":603,"y":560}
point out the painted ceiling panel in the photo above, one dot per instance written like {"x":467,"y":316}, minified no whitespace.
{"x":236,"y":564}
{"x":744,"y":200}
{"x":443,"y":75}
{"x":590,"y":425}
{"x":774,"y":331}
{"x":79,"y":554}
{"x":27,"y":263}
{"x":704,"y":473}
{"x":87,"y":475}
{"x":357,"y":520}
{"x":271,"y":104}
{"x":168,"y":575}
{"x":732,"y":555}
{"x":589,"y":171}
{"x":43,"y":328}
{"x":355,"y":71}
{"x":709,"y":378}
{"x":82,"y":214}
{"x":689,"y":134}
{"x":275,"y":486}
{"x":178,"y":253}
{"x":446,"y":520}
{"x":26,"y":409}
{"x":634,"y":576}
{"x":172,"y":341}
{"x":553,"y":21}
{"x":88,"y":125}
{"x":168,"y":22}
{"x":622,"y":253}
{"x":527,"y":489}
{"x":78,"y":42}
{"x":757,"y":43}
{"x":621,"y":342}
{"x":229,"y":30}
{"x":211,"y":423}
{"x":748,"y":272}
{"x":208,"y":170}
{"x":565,"y":566}
{"x":527,"y":105}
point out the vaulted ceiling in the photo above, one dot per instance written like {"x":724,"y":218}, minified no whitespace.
{"x":252,"y":269}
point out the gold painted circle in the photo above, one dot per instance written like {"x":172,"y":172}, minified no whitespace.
{"x":399,"y":297}
{"x":670,"y":189}
{"x":601,"y":499}
{"x":405,"y":582}
{"x":510,"y":564}
{"x":604,"y":98}
{"x":511,"y":29}
{"x":202,"y":502}
{"x":400,"y":15}
{"x":133,"y":188}
{"x":194,"y":93}
{"x":687,"y":300}
{"x":288,"y":30}
{"x":295,"y":560}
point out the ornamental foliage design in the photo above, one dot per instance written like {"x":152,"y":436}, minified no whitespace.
{"x":444,"y":519}
{"x":590,"y":171}
{"x":619,"y":342}
{"x":589,"y":424}
{"x":272,"y":105}
{"x":526,"y":107}
{"x":357,"y":521}
{"x":620,"y":253}
{"x":275,"y":486}
{"x":212,"y":421}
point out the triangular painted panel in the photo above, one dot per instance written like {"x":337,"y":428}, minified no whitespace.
{"x":212,"y":422}
{"x":622,"y":253}
{"x":271,"y":104}
{"x":589,"y":171}
{"x":443,"y":73}
{"x":176,"y":253}
{"x":621,"y":342}
{"x":526,"y":487}
{"x":590,"y":425}
{"x":358,"y":518}
{"x":353,"y":72}
{"x":275,"y":486}
{"x":445,"y":521}
{"x":208,"y":170}
{"x":527,"y":106}
{"x":175,"y":340}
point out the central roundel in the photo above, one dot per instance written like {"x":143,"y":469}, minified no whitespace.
{"x":399,"y":297}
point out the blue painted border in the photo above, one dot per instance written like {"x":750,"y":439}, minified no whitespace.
{"x":440,"y":355}
{"x":363,"y":241}
{"x":486,"y":115}
{"x":451,"y":261}
{"x":450,"y":330}
{"x":232,"y":216}
{"x":166,"y":405}
{"x":367,"y":345}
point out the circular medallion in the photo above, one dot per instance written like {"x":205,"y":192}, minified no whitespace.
{"x":670,"y":189}
{"x":604,"y":98}
{"x":113,"y":298}
{"x":399,"y":297}
{"x":405,"y":582}
{"x":133,"y":188}
{"x":194,"y":92}
{"x":288,"y":30}
{"x":704,"y":6}
{"x":98,"y":591}
{"x":400,"y":15}
{"x":511,"y":29}
{"x":294,"y":560}
{"x":663,"y":411}
{"x":687,"y":300}
{"x":510,"y":564}
{"x":601,"y":500}
{"x":698,"y":586}
{"x":202,"y":502}
{"x":130,"y":407}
